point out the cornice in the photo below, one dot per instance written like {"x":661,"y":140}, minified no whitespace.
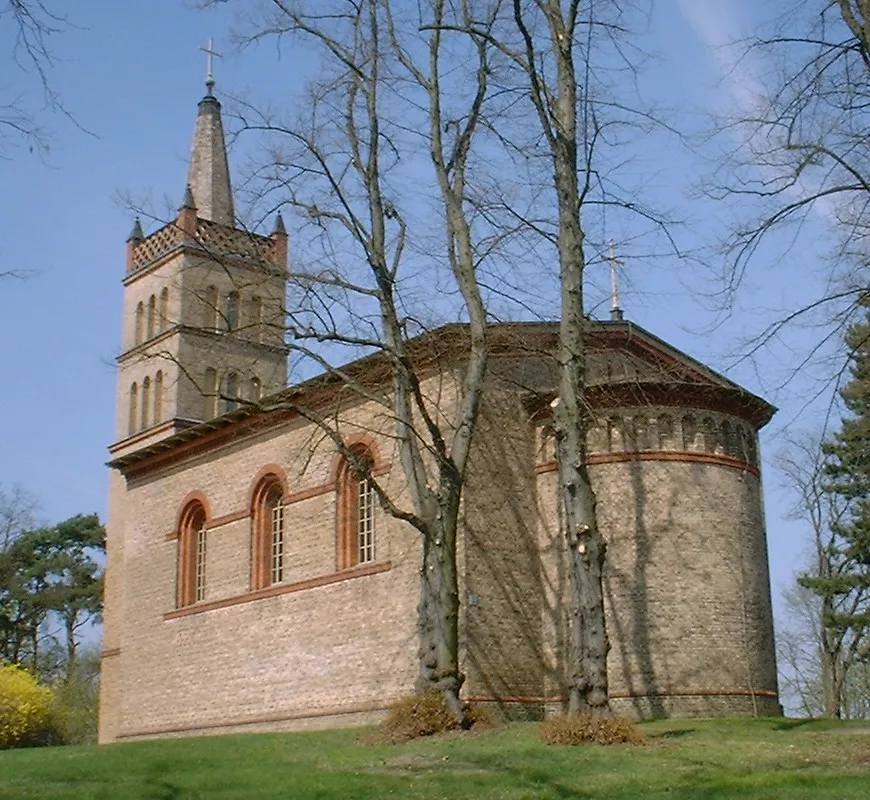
{"x":696,"y":386}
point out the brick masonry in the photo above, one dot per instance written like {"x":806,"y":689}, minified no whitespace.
{"x":686,"y":582}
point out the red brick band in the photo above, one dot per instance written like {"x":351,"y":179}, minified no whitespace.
{"x":283,"y":588}
{"x":660,"y":455}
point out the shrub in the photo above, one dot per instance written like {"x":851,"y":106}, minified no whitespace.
{"x":27,"y":713}
{"x":577,"y":729}
{"x":424,"y":715}
{"x":76,"y":701}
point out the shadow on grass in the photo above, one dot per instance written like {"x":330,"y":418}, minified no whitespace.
{"x":792,"y":724}
{"x":677,"y":733}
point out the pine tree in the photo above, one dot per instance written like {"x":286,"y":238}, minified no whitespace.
{"x":849,"y":466}
{"x":842,"y":576}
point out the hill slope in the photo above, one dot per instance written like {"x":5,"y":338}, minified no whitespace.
{"x":768,"y":758}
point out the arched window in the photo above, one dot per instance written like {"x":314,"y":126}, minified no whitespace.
{"x":232,"y":311}
{"x":711,"y":436}
{"x":146,"y":403}
{"x":140,"y":322}
{"x":255,"y":318}
{"x":164,"y":309}
{"x":596,"y":436}
{"x":152,"y":313}
{"x":665,"y":428}
{"x":690,"y":431}
{"x":210,"y":309}
{"x":256,"y":390}
{"x":726,"y":435}
{"x":751,"y":448}
{"x":158,"y":397}
{"x":133,"y":420}
{"x":209,"y":394}
{"x":191,"y":555}
{"x":614,"y":434}
{"x":267,"y":533}
{"x":629,"y":439}
{"x":356,"y":510}
{"x":231,"y":401}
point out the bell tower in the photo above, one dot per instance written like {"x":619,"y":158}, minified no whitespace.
{"x":204,"y":305}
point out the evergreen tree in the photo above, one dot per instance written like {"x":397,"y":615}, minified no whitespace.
{"x":842,"y":579}
{"x":49,"y":571}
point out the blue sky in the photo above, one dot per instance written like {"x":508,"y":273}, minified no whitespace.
{"x":132,"y":74}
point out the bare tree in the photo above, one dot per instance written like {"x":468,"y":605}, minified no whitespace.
{"x":436,"y":80}
{"x":361,"y":246}
{"x":554,"y":48}
{"x":17,"y":514}
{"x":838,"y":649}
{"x":30,"y":25}
{"x":556,"y":102}
{"x":796,"y":163}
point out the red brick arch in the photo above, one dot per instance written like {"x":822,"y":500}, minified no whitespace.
{"x":195,"y":496}
{"x":275,"y":472}
{"x":358,"y":440}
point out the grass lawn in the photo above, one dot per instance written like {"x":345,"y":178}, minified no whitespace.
{"x":767,"y":758}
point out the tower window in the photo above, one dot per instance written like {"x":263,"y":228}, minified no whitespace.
{"x":146,"y":402}
{"x":140,"y":322}
{"x":152,"y":313}
{"x":134,"y":410}
{"x":158,"y":397}
{"x":231,"y":399}
{"x":232,"y":311}
{"x":255,"y":318}
{"x":210,"y":310}
{"x":209,"y":394}
{"x":164,"y":309}
{"x":256,"y":390}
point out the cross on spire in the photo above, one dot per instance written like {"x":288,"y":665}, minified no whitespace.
{"x":209,"y":75}
{"x":615,"y":310}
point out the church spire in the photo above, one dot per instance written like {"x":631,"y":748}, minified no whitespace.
{"x":209,"y":174}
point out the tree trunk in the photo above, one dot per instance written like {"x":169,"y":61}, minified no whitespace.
{"x":832,"y":669}
{"x":586,"y":548}
{"x":71,"y":644}
{"x":438,"y":614}
{"x":557,"y":111}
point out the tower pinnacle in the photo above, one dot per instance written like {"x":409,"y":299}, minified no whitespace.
{"x":209,"y":173}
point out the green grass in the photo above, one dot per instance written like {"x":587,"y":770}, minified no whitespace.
{"x":768,"y":758}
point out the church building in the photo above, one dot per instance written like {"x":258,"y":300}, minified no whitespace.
{"x":255,"y":583}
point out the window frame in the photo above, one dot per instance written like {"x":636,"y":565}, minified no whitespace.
{"x":192,"y":580}
{"x":356,"y":534}
{"x":268,"y":541}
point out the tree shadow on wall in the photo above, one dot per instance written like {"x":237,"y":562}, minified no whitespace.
{"x":633,"y":632}
{"x":504,"y":580}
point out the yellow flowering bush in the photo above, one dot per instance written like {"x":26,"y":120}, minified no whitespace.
{"x":27,"y":714}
